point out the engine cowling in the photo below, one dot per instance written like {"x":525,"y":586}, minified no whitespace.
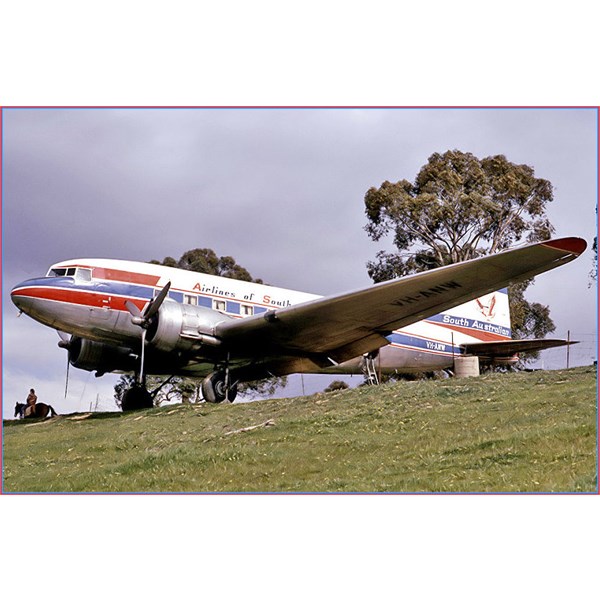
{"x":96,"y":356}
{"x":181,"y":327}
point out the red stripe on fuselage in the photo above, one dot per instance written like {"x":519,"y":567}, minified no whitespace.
{"x":82,"y":298}
{"x":484,"y":336}
{"x":126,"y":276}
{"x":119,"y":275}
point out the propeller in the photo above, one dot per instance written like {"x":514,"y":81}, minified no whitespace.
{"x":65,"y":342}
{"x":145,"y":319}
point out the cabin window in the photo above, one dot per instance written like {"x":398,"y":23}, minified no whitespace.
{"x":246,"y":310}
{"x":219,"y":305}
{"x":190,"y":299}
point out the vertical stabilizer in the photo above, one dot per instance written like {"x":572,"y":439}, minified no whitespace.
{"x":485,"y":319}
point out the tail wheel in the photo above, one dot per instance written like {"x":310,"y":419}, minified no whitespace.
{"x":214,"y":389}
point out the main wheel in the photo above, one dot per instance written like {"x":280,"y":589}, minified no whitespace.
{"x":214,"y":389}
{"x":136,"y":398}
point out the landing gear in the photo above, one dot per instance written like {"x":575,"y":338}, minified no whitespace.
{"x":369,"y":368}
{"x":137,"y":397}
{"x":215,"y":388}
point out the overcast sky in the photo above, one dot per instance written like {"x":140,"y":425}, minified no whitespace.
{"x":280,"y":190}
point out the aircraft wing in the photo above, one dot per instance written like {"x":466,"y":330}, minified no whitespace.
{"x":512,"y":347}
{"x":333,"y":329}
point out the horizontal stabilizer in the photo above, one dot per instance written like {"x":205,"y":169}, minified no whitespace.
{"x":511,"y":347}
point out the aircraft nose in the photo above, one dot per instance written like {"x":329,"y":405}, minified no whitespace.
{"x":40,"y":299}
{"x":17,"y":297}
{"x":21,"y":295}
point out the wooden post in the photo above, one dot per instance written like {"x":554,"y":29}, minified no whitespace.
{"x":568,"y":346}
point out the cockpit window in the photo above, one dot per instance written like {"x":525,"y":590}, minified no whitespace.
{"x":68,"y":272}
{"x":83,"y":274}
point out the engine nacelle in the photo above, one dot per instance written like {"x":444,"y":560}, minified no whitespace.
{"x":96,"y":356}
{"x":181,"y":327}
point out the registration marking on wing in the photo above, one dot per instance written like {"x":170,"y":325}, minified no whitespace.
{"x":432,"y":291}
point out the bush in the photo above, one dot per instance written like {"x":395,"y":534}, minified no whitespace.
{"x":335,"y":386}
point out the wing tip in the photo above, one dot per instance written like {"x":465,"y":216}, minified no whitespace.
{"x":573,"y":245}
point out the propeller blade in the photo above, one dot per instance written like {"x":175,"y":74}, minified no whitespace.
{"x":65,"y":342}
{"x":144,"y":319}
{"x":67,"y":378}
{"x":153,"y":307}
{"x":134,"y":311}
{"x":65,"y":339}
{"x":141,"y":373}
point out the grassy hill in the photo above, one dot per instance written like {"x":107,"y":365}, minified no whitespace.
{"x":533,"y":432}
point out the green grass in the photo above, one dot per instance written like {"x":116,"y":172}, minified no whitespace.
{"x":527,"y":432}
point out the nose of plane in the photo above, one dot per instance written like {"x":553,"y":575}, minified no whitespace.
{"x":41,"y":299}
{"x":18,"y":297}
{"x":23,"y":297}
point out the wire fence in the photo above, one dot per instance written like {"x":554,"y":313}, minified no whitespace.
{"x":577,"y":355}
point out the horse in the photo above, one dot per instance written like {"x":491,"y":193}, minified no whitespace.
{"x":40,"y":411}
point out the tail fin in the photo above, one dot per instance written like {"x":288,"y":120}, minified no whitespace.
{"x":485,"y":319}
{"x":494,"y":311}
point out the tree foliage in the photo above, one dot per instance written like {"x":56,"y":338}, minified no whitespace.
{"x":205,"y":260}
{"x":461,"y":207}
{"x":176,"y":389}
{"x":528,"y":319}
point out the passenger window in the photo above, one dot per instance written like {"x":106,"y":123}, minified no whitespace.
{"x":190,"y":299}
{"x":219,"y":305}
{"x":247,"y":310}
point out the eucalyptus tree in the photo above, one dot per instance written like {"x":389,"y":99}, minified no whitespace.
{"x":457,"y":208}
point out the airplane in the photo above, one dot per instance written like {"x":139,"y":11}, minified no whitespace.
{"x":143,"y":318}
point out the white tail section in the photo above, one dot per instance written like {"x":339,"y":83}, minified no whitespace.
{"x":486,"y":318}
{"x":434,"y":342}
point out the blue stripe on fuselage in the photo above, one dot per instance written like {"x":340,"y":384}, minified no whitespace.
{"x":417,"y":343}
